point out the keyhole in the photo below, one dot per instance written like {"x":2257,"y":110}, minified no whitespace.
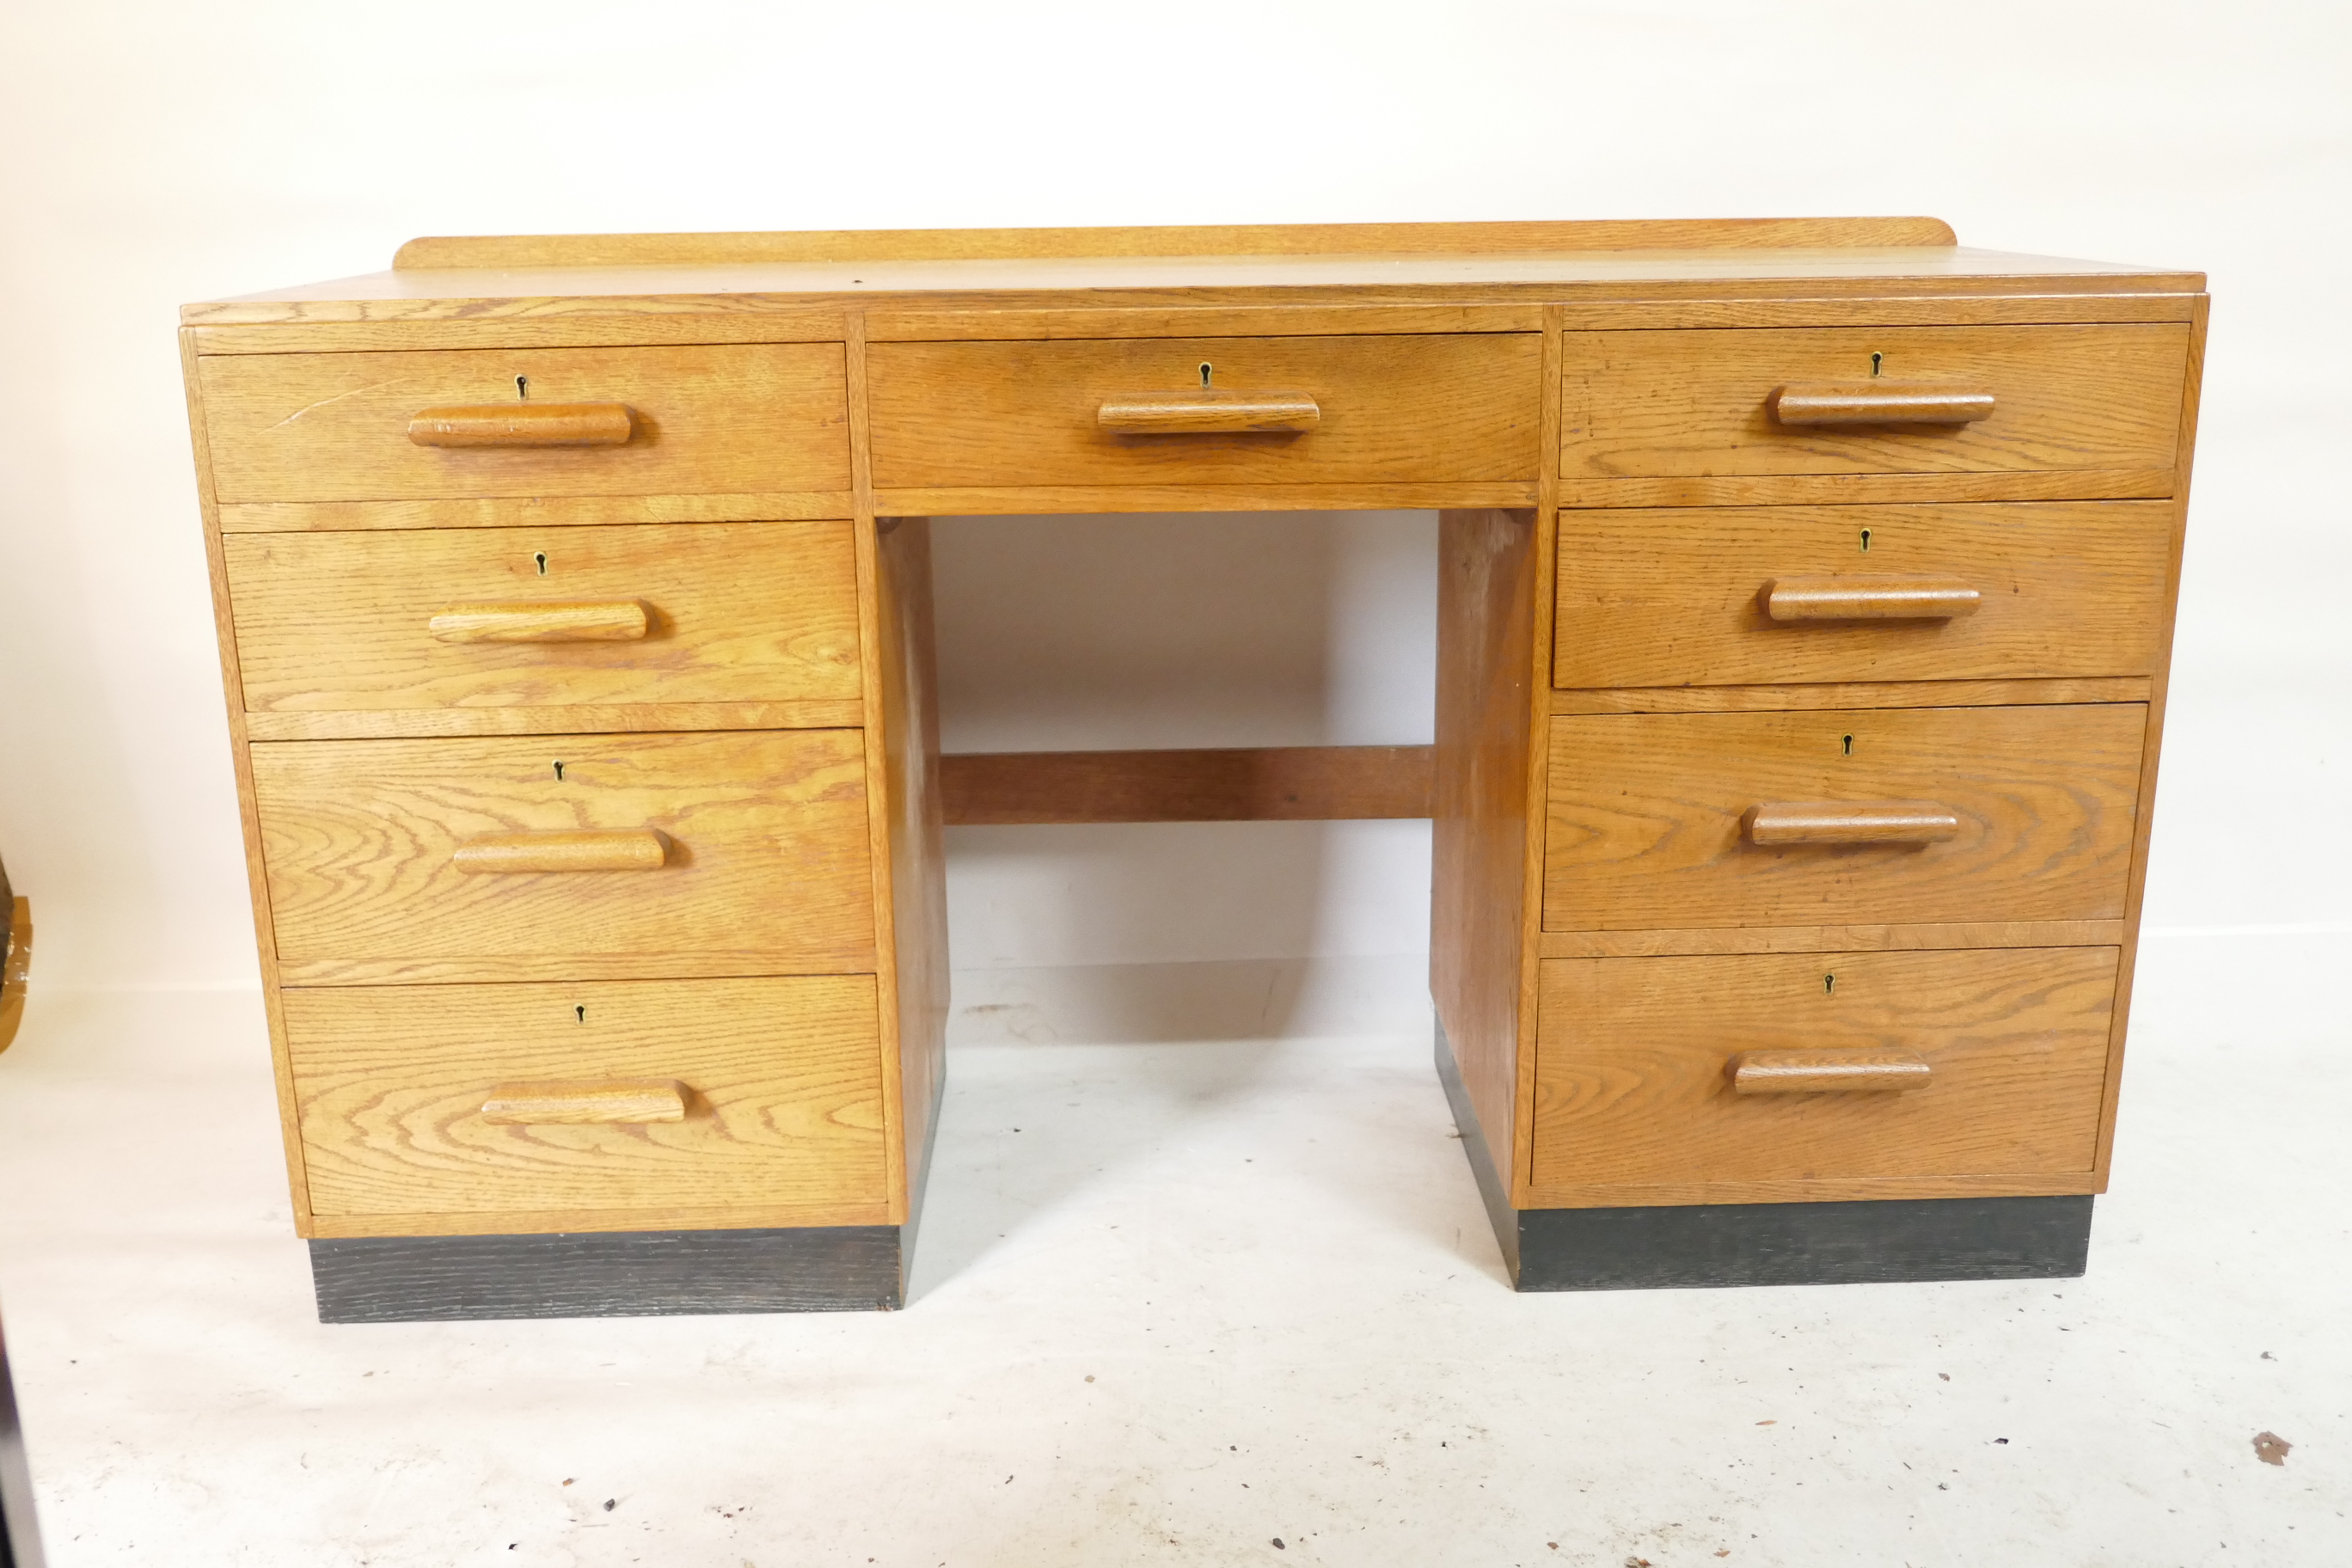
{"x":559,"y":770}
{"x":1849,"y":745}
{"x":1829,"y":984}
{"x":538,"y":557}
{"x":1205,"y":368}
{"x":1876,"y":360}
{"x":1865,"y":550}
{"x":522,"y":383}
{"x":580,"y":1014}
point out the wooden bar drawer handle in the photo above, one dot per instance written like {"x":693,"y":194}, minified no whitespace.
{"x":616,"y":620}
{"x":1879,"y":403}
{"x":1828,"y":1073}
{"x":581,"y":1103}
{"x":496,"y":854}
{"x":1860,"y":598}
{"x":1851,"y":822}
{"x":1207,"y":412}
{"x":523,"y":425}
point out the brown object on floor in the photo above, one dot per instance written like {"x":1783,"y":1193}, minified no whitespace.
{"x":15,"y":960}
{"x":2271,"y":1448}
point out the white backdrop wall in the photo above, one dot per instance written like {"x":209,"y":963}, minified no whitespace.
{"x":159,"y":152}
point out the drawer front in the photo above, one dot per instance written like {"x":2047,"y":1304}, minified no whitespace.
{"x":764,"y":871}
{"x":1664,"y":596}
{"x":781,"y":1081}
{"x":1647,"y":827}
{"x":1632,"y":1083}
{"x":1387,"y":410}
{"x":751,"y":418}
{"x":729,"y":611}
{"x":1701,"y":403}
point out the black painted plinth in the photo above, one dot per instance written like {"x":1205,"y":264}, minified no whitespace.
{"x":610,"y":1274}
{"x":1709,"y":1245}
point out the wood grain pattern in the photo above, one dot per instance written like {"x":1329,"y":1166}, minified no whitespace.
{"x":1869,"y":490}
{"x":587,"y":1103}
{"x":525,"y":854}
{"x":392,"y":1082}
{"x":611,"y":620}
{"x":1632,"y":1086}
{"x":1852,"y":694}
{"x":1209,"y":411}
{"x":1908,"y":938}
{"x":1266,"y":783}
{"x":529,"y":511}
{"x":2185,"y":440}
{"x":290,"y":1130}
{"x":575,"y":322}
{"x":1026,"y":500}
{"x":1878,"y":403}
{"x":523,"y":425}
{"x":1393,"y":408}
{"x":1644,"y":829}
{"x":1697,"y":403}
{"x":1488,"y":578}
{"x":731,"y":419}
{"x":746,"y":611}
{"x":1870,"y":597}
{"x":1844,"y":822}
{"x":1206,"y":240}
{"x":898,"y":323}
{"x":1849,"y":1069}
{"x":1892,"y":306}
{"x":767,"y":865}
{"x":586,"y":719}
{"x":907,"y":686}
{"x":1651,"y":597}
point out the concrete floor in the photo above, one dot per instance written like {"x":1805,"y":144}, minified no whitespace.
{"x":1187,"y":1304}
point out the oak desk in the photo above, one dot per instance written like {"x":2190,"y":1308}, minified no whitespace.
{"x":1806,"y":596}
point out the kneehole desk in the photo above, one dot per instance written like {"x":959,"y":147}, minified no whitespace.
{"x":1806,"y":600}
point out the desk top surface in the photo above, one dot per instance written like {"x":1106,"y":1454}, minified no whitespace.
{"x":1371,"y":264}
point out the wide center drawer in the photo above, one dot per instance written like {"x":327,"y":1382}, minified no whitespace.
{"x":547,"y":617}
{"x":1743,"y":596}
{"x":712,"y":419}
{"x":1659,"y":821}
{"x":1636,"y":1058}
{"x":1353,"y":410}
{"x":777,"y":1086}
{"x":566,"y":857}
{"x":1787,"y":401}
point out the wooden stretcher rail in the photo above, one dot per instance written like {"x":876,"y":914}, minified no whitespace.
{"x":1272,"y":783}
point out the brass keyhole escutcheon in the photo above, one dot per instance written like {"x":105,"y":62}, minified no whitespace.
{"x":558,"y":773}
{"x":1206,"y":368}
{"x":1877,"y":359}
{"x":580,"y":1014}
{"x":522,"y":387}
{"x":1865,"y":549}
{"x":1829,"y":984}
{"x":1848,"y":741}
{"x":538,"y":557}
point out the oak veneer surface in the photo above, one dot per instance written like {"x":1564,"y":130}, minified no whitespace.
{"x":1643,"y":828}
{"x":1665,"y":597}
{"x":1393,"y":408}
{"x":738,"y":612}
{"x":1631,"y":1085}
{"x":1695,"y":404}
{"x":767,"y":869}
{"x":334,"y":426}
{"x":1487,"y":571}
{"x":784,"y":1080}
